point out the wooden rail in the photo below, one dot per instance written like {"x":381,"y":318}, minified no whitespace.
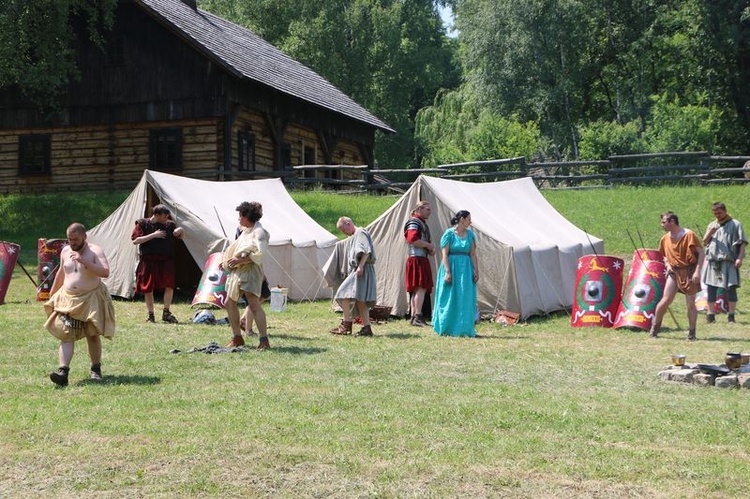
{"x":642,"y":169}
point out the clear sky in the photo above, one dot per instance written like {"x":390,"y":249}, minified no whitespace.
{"x":446,"y":14}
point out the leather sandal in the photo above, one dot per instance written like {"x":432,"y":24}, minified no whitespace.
{"x":365,"y":331}
{"x":344,"y":328}
{"x":263,"y":343}
{"x":237,"y":341}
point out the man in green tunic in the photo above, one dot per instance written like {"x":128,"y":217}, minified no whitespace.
{"x":725,"y":243}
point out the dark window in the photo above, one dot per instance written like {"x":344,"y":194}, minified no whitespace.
{"x":286,"y":155}
{"x":309,"y":159}
{"x":246,"y":151}
{"x":165,"y":149}
{"x":34,"y":154}
{"x":309,"y":155}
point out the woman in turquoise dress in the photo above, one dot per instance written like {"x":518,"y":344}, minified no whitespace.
{"x":456,"y":284}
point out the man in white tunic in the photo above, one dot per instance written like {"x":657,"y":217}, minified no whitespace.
{"x":359,"y":285}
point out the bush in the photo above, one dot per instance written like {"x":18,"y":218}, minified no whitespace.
{"x":456,"y":128}
{"x":672,"y":126}
{"x":602,"y":139}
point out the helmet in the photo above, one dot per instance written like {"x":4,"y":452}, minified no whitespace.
{"x":204,"y":317}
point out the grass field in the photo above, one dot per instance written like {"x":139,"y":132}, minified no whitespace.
{"x":535,"y":410}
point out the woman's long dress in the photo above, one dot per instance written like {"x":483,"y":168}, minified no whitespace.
{"x":456,"y":303}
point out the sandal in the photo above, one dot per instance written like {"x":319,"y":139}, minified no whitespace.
{"x":344,"y":328}
{"x":263,"y":344}
{"x":365,"y":331}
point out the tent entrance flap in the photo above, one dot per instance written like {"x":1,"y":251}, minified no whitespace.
{"x":187,"y":274}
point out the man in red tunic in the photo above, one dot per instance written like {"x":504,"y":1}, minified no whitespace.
{"x":418,"y":269}
{"x":155,"y":270}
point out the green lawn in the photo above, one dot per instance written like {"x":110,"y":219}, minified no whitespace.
{"x":535,"y":410}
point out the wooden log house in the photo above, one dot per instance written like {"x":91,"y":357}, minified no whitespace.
{"x":183,"y":91}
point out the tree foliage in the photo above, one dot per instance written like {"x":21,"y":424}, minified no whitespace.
{"x":457,"y":128}
{"x":575,"y":65}
{"x":38,"y":40}
{"x":564,"y":79}
{"x":391,"y":56}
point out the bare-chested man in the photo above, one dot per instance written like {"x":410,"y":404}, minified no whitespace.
{"x":80,"y":305}
{"x":683,"y":256}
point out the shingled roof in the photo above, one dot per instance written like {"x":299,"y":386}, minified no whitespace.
{"x":247,"y":56}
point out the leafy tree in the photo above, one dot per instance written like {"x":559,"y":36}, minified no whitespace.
{"x":571,"y":63}
{"x":391,"y":56}
{"x":726,"y":24}
{"x":532,"y":58}
{"x":457,"y":129}
{"x":37,"y":43}
{"x":602,"y":139}
{"x":673,"y":126}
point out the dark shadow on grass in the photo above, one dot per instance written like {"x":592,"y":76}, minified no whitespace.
{"x":498,"y":337}
{"x":118,"y":379}
{"x":399,"y":336}
{"x":298,"y":350}
{"x":290,"y":337}
{"x":710,"y":338}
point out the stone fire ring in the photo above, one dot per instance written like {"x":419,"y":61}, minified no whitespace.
{"x":690,"y":373}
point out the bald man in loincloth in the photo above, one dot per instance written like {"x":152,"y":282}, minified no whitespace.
{"x":80,"y":305}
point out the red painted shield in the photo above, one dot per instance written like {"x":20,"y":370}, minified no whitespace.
{"x":597,"y":291}
{"x":643,"y":290}
{"x":48,"y":256}
{"x":211,"y":291}
{"x":8,"y":258}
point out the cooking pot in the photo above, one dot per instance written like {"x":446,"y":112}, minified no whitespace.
{"x":733,"y":360}
{"x":678,"y":360}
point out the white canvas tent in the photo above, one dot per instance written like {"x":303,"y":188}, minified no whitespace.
{"x":206,"y":211}
{"x":528,"y":252}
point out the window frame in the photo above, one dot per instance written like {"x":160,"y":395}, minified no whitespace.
{"x":165,"y":148}
{"x":37,"y":161}
{"x":308,"y":147}
{"x":246,"y":151}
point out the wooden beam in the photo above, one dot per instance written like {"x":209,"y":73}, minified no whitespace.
{"x":660,"y":155}
{"x":486,"y":174}
{"x":329,"y":167}
{"x":664,"y":168}
{"x":507,"y":161}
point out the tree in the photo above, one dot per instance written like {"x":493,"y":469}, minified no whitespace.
{"x":569,"y":64}
{"x":37,"y":43}
{"x":457,"y":129}
{"x":391,"y":56}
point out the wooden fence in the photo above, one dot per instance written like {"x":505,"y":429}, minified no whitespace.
{"x":635,"y":169}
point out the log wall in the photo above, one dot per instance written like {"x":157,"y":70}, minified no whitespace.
{"x":105,"y":158}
